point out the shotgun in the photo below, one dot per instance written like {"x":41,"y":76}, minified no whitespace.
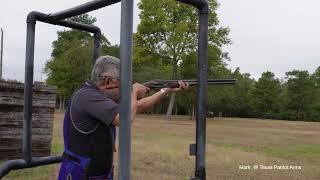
{"x":159,"y":83}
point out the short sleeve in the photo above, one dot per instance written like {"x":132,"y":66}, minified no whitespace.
{"x":98,"y":107}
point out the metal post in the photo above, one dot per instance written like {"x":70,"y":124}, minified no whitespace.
{"x":96,"y":46}
{"x":1,"y":54}
{"x":202,"y":93}
{"x":28,"y":161}
{"x":28,"y":87}
{"x":199,"y":149}
{"x":125,"y":89}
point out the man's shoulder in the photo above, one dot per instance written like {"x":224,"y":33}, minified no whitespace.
{"x":88,"y":94}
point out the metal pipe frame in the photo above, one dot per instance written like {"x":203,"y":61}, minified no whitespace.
{"x":28,"y":161}
{"x":96,"y":46}
{"x":81,"y":9}
{"x":125,"y":89}
{"x":126,"y":81}
{"x":22,"y":164}
{"x":38,"y":16}
{"x":201,"y":108}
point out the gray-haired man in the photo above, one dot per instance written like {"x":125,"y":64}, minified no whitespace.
{"x":90,"y":120}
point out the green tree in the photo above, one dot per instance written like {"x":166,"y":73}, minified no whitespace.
{"x":168,"y":30}
{"x":188,"y":70}
{"x":316,"y":76}
{"x":70,"y":62}
{"x":239,"y":94}
{"x":264,"y":96}
{"x":230,"y":100}
{"x":314,"y":113}
{"x":71,"y":57}
{"x":300,"y":94}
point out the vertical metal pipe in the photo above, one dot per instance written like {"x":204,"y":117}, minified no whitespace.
{"x":96,"y":46}
{"x":125,"y":89}
{"x":202,"y":93}
{"x":1,"y":54}
{"x":28,"y":86}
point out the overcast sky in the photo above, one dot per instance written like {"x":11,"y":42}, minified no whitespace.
{"x":274,"y":35}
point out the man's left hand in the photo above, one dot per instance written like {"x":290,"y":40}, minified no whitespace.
{"x":182,"y":87}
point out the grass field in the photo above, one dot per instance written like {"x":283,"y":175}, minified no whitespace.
{"x":160,"y":149}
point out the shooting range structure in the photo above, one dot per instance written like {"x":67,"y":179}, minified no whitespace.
{"x":11,"y":119}
{"x":59,"y":18}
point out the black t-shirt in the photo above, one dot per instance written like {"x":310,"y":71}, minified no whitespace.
{"x":91,"y":133}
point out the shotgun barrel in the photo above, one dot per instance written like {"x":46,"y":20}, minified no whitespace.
{"x":159,"y":83}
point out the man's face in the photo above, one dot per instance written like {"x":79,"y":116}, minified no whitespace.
{"x":110,"y":87}
{"x":109,"y":82}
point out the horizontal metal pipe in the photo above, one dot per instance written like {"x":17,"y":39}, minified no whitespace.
{"x":22,"y":164}
{"x":195,"y":3}
{"x":11,"y":165}
{"x":74,"y":25}
{"x":81,"y":9}
{"x":38,"y":16}
{"x":38,"y":161}
{"x":202,"y":5}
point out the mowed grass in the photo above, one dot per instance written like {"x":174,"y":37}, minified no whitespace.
{"x":160,"y":149}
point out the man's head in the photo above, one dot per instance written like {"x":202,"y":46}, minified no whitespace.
{"x":106,"y":73}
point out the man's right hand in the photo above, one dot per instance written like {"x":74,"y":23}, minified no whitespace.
{"x":140,"y":90}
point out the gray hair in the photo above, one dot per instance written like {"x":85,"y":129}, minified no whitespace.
{"x":105,"y":66}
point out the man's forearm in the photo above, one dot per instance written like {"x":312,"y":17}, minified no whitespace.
{"x":134,"y":105}
{"x":148,"y":102}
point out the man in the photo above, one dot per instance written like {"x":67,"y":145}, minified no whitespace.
{"x":90,"y":120}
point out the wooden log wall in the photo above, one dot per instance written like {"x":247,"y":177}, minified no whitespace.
{"x":11,"y":119}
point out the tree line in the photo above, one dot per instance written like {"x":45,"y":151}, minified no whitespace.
{"x":165,"y":47}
